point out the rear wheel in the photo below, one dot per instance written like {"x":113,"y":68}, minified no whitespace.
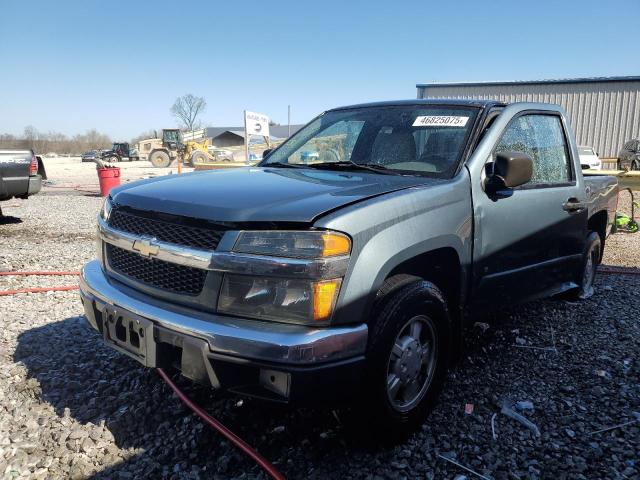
{"x":407,"y":359}
{"x":635,"y":165}
{"x":160,"y":159}
{"x":587,"y":274}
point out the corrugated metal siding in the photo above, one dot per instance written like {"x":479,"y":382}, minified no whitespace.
{"x":602,"y":114}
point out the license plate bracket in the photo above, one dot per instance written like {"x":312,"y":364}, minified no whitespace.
{"x":130,"y":334}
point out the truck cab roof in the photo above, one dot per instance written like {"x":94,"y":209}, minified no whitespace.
{"x":426,"y":101}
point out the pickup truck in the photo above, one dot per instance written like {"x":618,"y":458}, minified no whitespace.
{"x":21,"y":174}
{"x":350,"y":277}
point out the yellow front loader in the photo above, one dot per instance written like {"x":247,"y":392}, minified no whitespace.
{"x":196,"y":152}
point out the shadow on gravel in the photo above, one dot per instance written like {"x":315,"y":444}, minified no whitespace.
{"x":576,"y":362}
{"x":89,"y":382}
{"x":9,"y":220}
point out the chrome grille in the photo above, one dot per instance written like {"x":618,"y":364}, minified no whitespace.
{"x":156,"y":273}
{"x":166,"y":228}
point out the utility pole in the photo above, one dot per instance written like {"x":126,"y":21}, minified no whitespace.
{"x":289,"y":120}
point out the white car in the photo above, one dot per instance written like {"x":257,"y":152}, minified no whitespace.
{"x":589,"y":158}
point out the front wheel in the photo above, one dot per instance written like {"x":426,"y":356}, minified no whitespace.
{"x":198,"y":158}
{"x":113,"y":159}
{"x":635,"y":165}
{"x":407,"y":358}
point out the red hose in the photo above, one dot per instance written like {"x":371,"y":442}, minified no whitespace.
{"x":5,"y":293}
{"x":25,"y":274}
{"x":228,"y":434}
{"x":619,"y":270}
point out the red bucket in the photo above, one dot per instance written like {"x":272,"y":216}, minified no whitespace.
{"x":109,"y":178}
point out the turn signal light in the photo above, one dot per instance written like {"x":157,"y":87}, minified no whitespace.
{"x":335,"y":244}
{"x":324,"y":298}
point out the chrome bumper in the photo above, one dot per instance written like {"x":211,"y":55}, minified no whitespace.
{"x":271,"y":342}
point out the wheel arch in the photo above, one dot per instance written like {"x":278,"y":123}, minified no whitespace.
{"x":598,"y":223}
{"x":439,"y":261}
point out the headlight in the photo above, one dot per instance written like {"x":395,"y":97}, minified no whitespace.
{"x":294,"y":244}
{"x":284,"y":300}
{"x":105,"y":211}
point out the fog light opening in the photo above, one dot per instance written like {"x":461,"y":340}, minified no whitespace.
{"x":274,"y":381}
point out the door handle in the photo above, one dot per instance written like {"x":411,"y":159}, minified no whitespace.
{"x":573,"y":206}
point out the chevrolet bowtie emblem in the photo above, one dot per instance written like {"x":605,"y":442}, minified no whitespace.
{"x":146,"y":248}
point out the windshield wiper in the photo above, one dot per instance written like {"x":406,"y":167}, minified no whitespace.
{"x":284,"y":165}
{"x":344,"y":165}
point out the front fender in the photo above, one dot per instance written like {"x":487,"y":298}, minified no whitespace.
{"x":393,"y":228}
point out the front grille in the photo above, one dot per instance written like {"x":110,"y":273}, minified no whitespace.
{"x":167,"y":228}
{"x":156,"y":273}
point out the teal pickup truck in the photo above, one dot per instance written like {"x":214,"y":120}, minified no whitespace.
{"x":344,"y":266}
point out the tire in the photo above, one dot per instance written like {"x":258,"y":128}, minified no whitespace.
{"x":160,"y":159}
{"x":635,"y":165}
{"x":198,"y":157}
{"x":407,"y":358}
{"x":587,"y":274}
{"x":113,"y":159}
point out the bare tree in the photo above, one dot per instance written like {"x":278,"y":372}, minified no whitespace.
{"x":143,"y":136}
{"x":30,"y":135}
{"x":187,"y":109}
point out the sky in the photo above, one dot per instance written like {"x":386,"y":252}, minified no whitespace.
{"x":118,"y":66}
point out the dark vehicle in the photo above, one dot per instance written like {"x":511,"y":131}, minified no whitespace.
{"x":21,"y":174}
{"x":629,"y":156}
{"x":121,"y":152}
{"x":91,"y":156}
{"x":350,"y":279}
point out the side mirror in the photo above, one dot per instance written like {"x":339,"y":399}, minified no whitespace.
{"x":510,"y":169}
{"x":266,"y":153}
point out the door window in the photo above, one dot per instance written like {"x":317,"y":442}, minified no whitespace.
{"x":542,"y":138}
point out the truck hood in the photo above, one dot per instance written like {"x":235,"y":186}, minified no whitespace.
{"x":259,"y":194}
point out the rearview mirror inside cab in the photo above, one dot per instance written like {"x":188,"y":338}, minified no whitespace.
{"x":510,"y":169}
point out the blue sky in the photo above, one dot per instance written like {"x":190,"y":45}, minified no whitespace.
{"x":117,"y":66}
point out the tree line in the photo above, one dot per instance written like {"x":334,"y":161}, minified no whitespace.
{"x":42,"y":143}
{"x":187,"y":109}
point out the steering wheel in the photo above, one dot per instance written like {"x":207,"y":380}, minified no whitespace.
{"x":329,"y":155}
{"x":435,"y":159}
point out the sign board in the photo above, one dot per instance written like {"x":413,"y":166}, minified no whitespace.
{"x":256,"y":124}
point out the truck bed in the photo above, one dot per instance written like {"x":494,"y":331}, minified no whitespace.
{"x":15,"y":174}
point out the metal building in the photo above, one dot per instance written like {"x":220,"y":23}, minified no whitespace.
{"x":604,"y":112}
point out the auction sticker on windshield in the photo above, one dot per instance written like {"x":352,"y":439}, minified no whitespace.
{"x":440,"y":121}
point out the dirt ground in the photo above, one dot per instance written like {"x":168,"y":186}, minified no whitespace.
{"x":71,"y":407}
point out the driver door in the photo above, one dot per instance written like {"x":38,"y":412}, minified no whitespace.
{"x":528,"y":244}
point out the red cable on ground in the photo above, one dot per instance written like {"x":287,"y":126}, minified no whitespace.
{"x":5,"y":293}
{"x":228,"y":434}
{"x":25,"y":274}
{"x":619,"y":270}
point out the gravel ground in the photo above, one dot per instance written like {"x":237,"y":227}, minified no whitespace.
{"x":72,"y":408}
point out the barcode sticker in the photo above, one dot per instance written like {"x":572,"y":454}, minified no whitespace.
{"x":440,"y":121}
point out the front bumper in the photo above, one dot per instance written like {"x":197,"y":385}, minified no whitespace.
{"x":275,"y":361}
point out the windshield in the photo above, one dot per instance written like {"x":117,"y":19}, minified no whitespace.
{"x":586,"y":151}
{"x":411,"y":139}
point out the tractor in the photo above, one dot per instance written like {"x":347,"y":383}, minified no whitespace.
{"x":161,"y":152}
{"x":119,"y":152}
